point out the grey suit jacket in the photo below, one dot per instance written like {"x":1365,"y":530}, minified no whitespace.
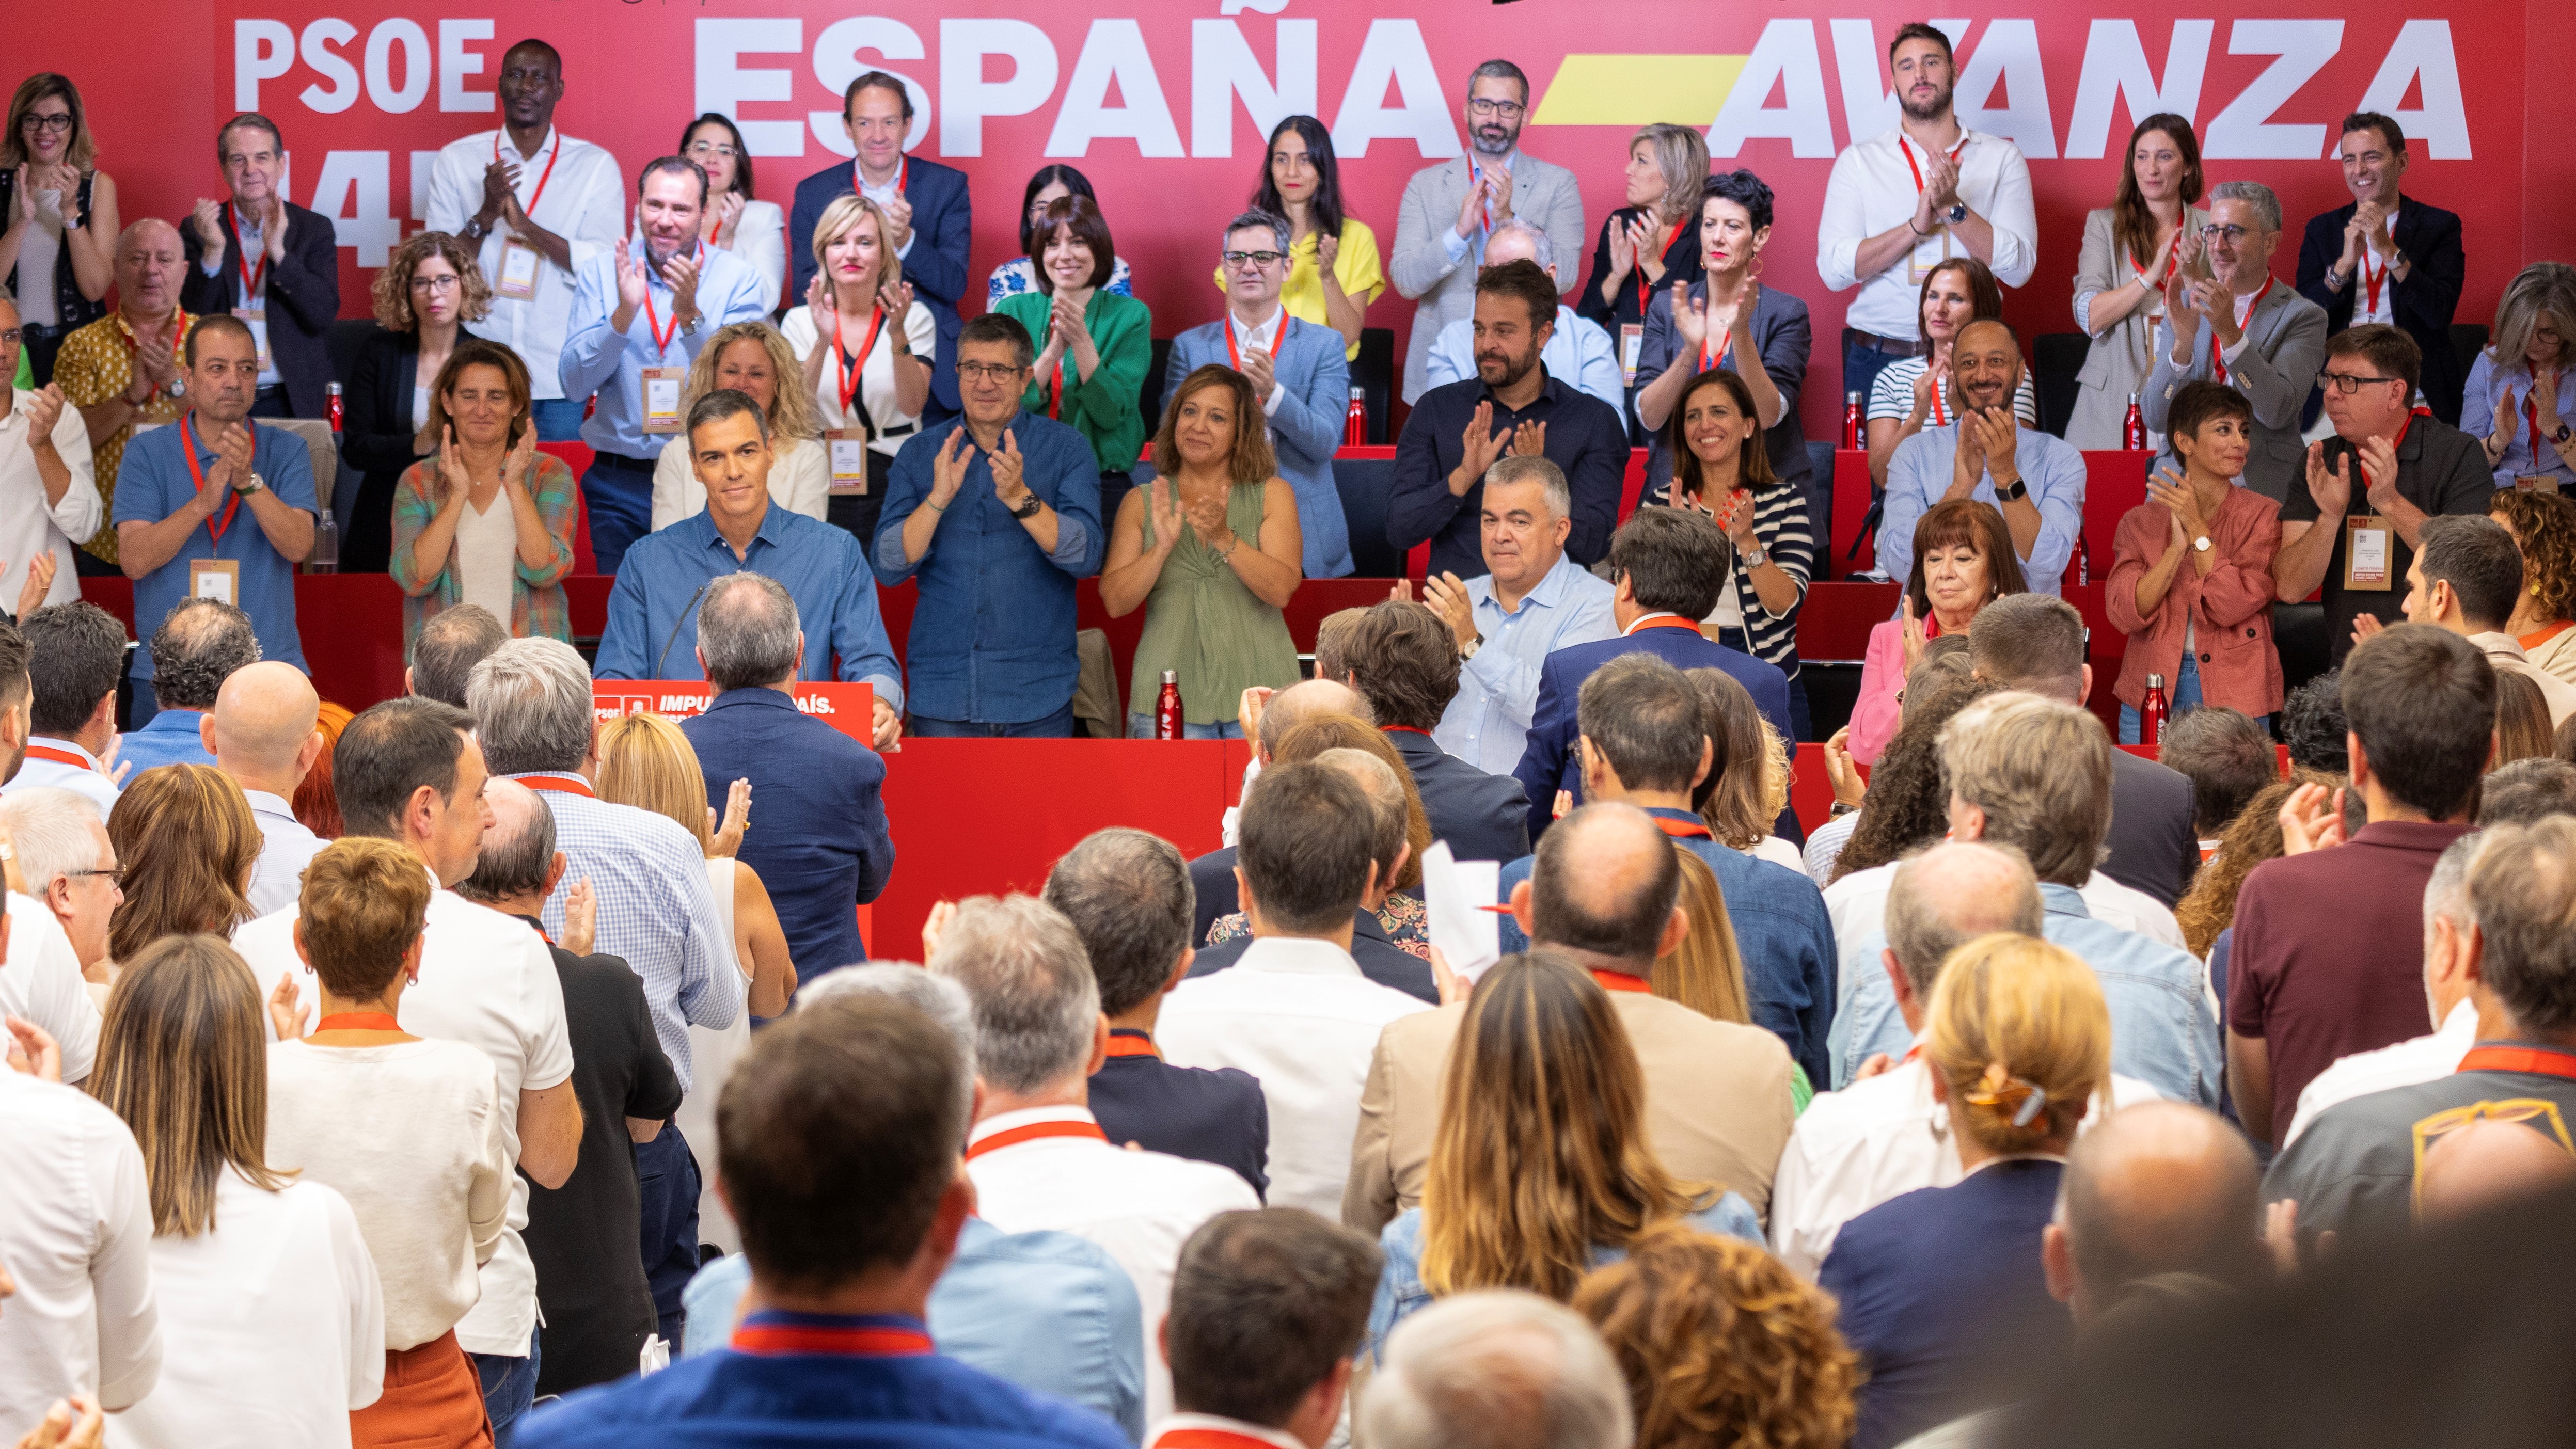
{"x":2275,"y":373}
{"x":1304,"y":432}
{"x":1445,"y":291}
{"x":2119,"y":360}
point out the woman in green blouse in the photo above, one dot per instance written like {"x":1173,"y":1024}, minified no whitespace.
{"x":1094,"y":346}
{"x":1210,"y":547}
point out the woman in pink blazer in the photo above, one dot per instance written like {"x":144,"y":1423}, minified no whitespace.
{"x":1963,"y":560}
{"x":2191,"y":571}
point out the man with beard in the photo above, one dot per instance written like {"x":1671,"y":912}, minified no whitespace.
{"x":1513,"y":405}
{"x":2035,"y":479}
{"x":1451,"y":210}
{"x":1900,"y":202}
{"x":640,"y":313}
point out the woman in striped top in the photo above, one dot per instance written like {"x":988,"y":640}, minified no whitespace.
{"x":1914,"y":392}
{"x":1722,"y":468}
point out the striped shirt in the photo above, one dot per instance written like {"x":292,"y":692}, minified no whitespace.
{"x":1780,"y":522}
{"x":1892,"y":396}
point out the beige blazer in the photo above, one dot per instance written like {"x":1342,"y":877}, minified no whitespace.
{"x":2120,"y":358}
{"x":1717,"y":1104}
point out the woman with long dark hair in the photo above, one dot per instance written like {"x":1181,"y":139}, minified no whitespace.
{"x":735,"y":220}
{"x":1333,"y":267}
{"x":1722,"y":467}
{"x":1047,"y":185}
{"x":2132,"y":248}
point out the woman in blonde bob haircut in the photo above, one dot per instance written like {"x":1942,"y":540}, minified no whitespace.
{"x":1540,"y":1169}
{"x":188,"y":842}
{"x":645,"y":761}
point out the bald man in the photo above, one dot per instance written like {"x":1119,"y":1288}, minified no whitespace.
{"x":1603,"y":894}
{"x":2035,"y":479}
{"x":2486,"y":1165}
{"x":2162,"y":1187}
{"x":123,"y":371}
{"x":262,"y":732}
{"x":1268,"y":716}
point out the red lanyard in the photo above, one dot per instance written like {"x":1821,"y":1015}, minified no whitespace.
{"x":60,"y":757}
{"x":1401,"y":729}
{"x":2218,"y":364}
{"x":1940,"y":410}
{"x":1663,"y":624}
{"x":560,"y":784}
{"x":357,"y":1021}
{"x":2371,"y":281}
{"x":1642,"y":301}
{"x":1711,"y":362}
{"x":1622,"y":981}
{"x":1234,"y":354}
{"x":2531,"y":412}
{"x":250,"y":278}
{"x":1683,"y":829}
{"x":1908,"y":148}
{"x":1132,"y":1044}
{"x":553,"y":151}
{"x":1033,"y":1132}
{"x":188,"y":445}
{"x":652,"y":319}
{"x":850,"y":374}
{"x":768,"y":1333}
{"x":2542,"y":1061}
{"x":2173,"y":262}
{"x":1208,"y":1439}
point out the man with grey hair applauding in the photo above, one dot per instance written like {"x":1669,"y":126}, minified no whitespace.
{"x":1578,"y":351}
{"x":1495,"y":1368}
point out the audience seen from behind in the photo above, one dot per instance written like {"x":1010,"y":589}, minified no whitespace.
{"x":75,"y":656}
{"x":59,"y":972}
{"x":186,"y":844}
{"x":449,"y":645}
{"x":1747,"y":788}
{"x":264,"y":736}
{"x":2228,"y":758}
{"x":1267,"y":1313}
{"x":200,"y":644}
{"x":1495,"y":1366}
{"x":1403,"y":660}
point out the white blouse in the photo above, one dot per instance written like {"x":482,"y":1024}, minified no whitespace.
{"x":800,"y":481}
{"x":487,"y":555}
{"x":760,"y":238}
{"x":876,"y":374}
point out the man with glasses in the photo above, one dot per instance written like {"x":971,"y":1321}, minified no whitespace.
{"x":929,"y":217}
{"x":2352,"y":529}
{"x":539,"y":204}
{"x":269,"y":262}
{"x":1297,"y":368}
{"x":70,"y":869}
{"x":998,"y":512}
{"x":2241,"y":328}
{"x":2386,"y":258}
{"x":1451,"y":210}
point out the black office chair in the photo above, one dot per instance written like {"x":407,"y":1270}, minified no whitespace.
{"x":2468,"y":339}
{"x":2056,"y":359}
{"x":1149,"y":397}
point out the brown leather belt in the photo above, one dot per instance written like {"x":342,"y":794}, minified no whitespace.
{"x":1896,"y":346}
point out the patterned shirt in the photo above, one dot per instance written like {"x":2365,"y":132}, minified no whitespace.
{"x":537,"y":605}
{"x":97,"y":363}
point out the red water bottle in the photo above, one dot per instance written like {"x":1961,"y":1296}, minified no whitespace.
{"x":1355,"y":422}
{"x":2133,"y":428}
{"x":2151,"y":718}
{"x":1167,"y":707}
{"x":1851,"y":420}
{"x":331,"y":392}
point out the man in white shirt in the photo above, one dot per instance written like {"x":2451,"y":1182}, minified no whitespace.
{"x":539,"y":204}
{"x":1268,"y":1312}
{"x":409,"y":771}
{"x":1531,"y":600}
{"x":1037,"y":1156}
{"x":1885,"y":1134}
{"x":1295,"y":1011}
{"x":58,"y":929}
{"x":1578,"y":350}
{"x":263,"y":735}
{"x":76,"y":1239}
{"x":48,"y":486}
{"x":1901,"y":201}
{"x":76,"y":651}
{"x":1450,"y":212}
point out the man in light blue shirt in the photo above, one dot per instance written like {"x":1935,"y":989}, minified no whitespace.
{"x":2035,"y":479}
{"x":1578,"y":351}
{"x":639,"y":315}
{"x":1533,"y":599}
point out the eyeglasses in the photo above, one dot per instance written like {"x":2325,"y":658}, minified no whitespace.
{"x":2228,"y":234}
{"x":1491,"y":109}
{"x":1252,"y":259}
{"x":2346,"y":383}
{"x":987,"y":371}
{"x":34,"y":122}
{"x":712,"y":148}
{"x":436,"y":285}
{"x":115,"y":874}
{"x":9,"y":338}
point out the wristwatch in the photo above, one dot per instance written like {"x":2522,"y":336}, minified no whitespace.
{"x":1754,"y":557}
{"x":1957,"y":213}
{"x":1472,"y":645}
{"x":255,"y":485}
{"x":2564,"y":432}
{"x":2012,"y":492}
{"x":1028,"y":507}
{"x":2200,"y":544}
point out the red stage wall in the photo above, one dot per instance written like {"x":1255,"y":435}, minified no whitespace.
{"x":1164,"y":105}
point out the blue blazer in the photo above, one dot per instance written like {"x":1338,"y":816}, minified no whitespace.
{"x":1305,"y":431}
{"x":819,"y":841}
{"x":1205,"y":1115}
{"x":1478,"y":814}
{"x":1549,"y":765}
{"x":943,"y":219}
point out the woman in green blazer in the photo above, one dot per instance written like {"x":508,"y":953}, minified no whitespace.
{"x":1094,"y":346}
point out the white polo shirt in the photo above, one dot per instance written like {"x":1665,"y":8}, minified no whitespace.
{"x":77,"y":771}
{"x":41,"y":982}
{"x":286,"y":848}
{"x":2408,"y":1063}
{"x":76,"y":1232}
{"x":583,"y":201}
{"x":1873,"y":190}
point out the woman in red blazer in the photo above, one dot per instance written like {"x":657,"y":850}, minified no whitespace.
{"x":2191,"y":571}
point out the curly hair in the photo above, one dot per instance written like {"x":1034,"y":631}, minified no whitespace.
{"x":391,"y":290}
{"x":2312,"y":725}
{"x":793,"y":414}
{"x":2545,"y":525}
{"x":2251,"y":839}
{"x":1722,"y":1345}
{"x":1908,"y":804}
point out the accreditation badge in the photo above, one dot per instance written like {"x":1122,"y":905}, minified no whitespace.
{"x":662,"y":389}
{"x":518,"y":270}
{"x":2368,"y":560}
{"x":849,"y":449}
{"x":1632,"y":347}
{"x":215,"y":578}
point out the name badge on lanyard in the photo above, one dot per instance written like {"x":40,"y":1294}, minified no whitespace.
{"x":849,"y":459}
{"x":662,"y":388}
{"x":2367,"y":561}
{"x":518,"y":280}
{"x":215,"y":578}
{"x":1632,"y":346}
{"x":253,"y":310}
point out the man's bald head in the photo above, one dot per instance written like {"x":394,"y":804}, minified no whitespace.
{"x":147,"y":229}
{"x":2488,"y":1164}
{"x":1950,"y":895}
{"x":518,"y":860}
{"x":264,"y":723}
{"x":1299,"y":703}
{"x":1604,"y":884}
{"x":2158,"y":1188}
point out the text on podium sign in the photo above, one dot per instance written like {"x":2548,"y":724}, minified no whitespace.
{"x":849,"y":708}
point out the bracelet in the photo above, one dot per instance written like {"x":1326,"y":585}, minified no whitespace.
{"x":1919,"y":233}
{"x":934,"y":507}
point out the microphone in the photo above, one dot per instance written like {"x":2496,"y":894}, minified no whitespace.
{"x":660,"y":659}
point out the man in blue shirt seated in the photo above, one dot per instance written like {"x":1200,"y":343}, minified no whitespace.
{"x":998,"y":512}
{"x":200,"y":645}
{"x":843,"y":1165}
{"x":653,"y":609}
{"x":1268,"y":1312}
{"x":821,"y":849}
{"x":1579,"y":351}
{"x":640,"y":312}
{"x":216,"y":507}
{"x":2035,"y":479}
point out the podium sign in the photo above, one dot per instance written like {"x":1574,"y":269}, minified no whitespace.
{"x":849,"y":708}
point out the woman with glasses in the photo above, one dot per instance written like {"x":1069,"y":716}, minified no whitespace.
{"x":871,"y":381}
{"x":424,"y":295}
{"x":2522,"y":388}
{"x":1051,"y":184}
{"x":486,"y":519}
{"x":755,"y":231}
{"x":58,"y":222}
{"x":1094,"y":346}
{"x":2132,"y":249}
{"x":1333,"y":267}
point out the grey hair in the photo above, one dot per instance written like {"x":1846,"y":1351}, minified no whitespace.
{"x":1520,"y":468}
{"x":2543,"y":289}
{"x":1473,"y":1368}
{"x":532,"y":706}
{"x":2254,"y":194}
{"x":1501,"y":70}
{"x":1256,"y":219}
{"x":747,"y":631}
{"x":1036,"y":1004}
{"x":1542,"y":251}
{"x":513,"y":860}
{"x":1926,"y":923}
{"x":936,"y":997}
{"x":2446,"y":891}
{"x":50,"y":829}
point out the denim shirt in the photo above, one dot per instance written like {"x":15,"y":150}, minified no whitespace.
{"x":992,"y":635}
{"x":1399,"y":1286}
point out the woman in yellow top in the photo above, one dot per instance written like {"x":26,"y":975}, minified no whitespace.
{"x":1333,"y":267}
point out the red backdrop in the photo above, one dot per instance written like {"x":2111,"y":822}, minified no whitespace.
{"x":1165,"y":104}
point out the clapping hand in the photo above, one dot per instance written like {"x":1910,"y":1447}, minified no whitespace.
{"x":680,"y":274}
{"x":522,"y":457}
{"x":1206,"y":514}
{"x":2364,"y":626}
{"x":1735,"y":515}
{"x":898,"y":215}
{"x":2182,"y":507}
{"x":1258,"y":370}
{"x":1529,"y":440}
{"x":2332,"y":491}
{"x":1968,"y":461}
{"x":896,"y":298}
{"x":274,"y":242}
{"x":2544,"y":401}
{"x":455,"y":481}
{"x":1066,"y":319}
{"x":33,"y":1052}
{"x":2379,"y":471}
{"x":500,"y":187}
{"x":73,"y":1423}
{"x":40,"y":582}
{"x":44,"y":409}
{"x":1007,"y":483}
{"x":207,"y":217}
{"x":2311,"y":819}
{"x":1328,"y":249}
{"x":1941,"y":180}
{"x":1498,"y":186}
{"x":1690,"y":319}
{"x":1483,"y":445}
{"x":932,"y":925}
{"x":633,"y":285}
{"x":1447,"y":597}
{"x":1842,"y":770}
{"x":722,"y":217}
{"x":286,"y":1012}
{"x":1471,"y":207}
{"x":1163,"y":512}
{"x":948,"y":470}
{"x":581,"y":917}
{"x":727,"y":838}
{"x":1628,"y":241}
{"x":1998,"y":439}
{"x":1913,"y":631}
{"x":232,"y":461}
{"x":824,"y":308}
{"x":2508,"y":416}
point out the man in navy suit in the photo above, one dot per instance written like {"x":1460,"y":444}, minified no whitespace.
{"x":1403,"y":660}
{"x":819,"y":840}
{"x":925,"y":203}
{"x":1129,"y":898}
{"x":1668,"y":565}
{"x":2382,"y":257}
{"x":1212,"y":874}
{"x":275,"y":264}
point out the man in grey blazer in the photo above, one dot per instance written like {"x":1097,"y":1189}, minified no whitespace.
{"x":1450,"y":209}
{"x":1296,"y":367}
{"x":2244,"y":329}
